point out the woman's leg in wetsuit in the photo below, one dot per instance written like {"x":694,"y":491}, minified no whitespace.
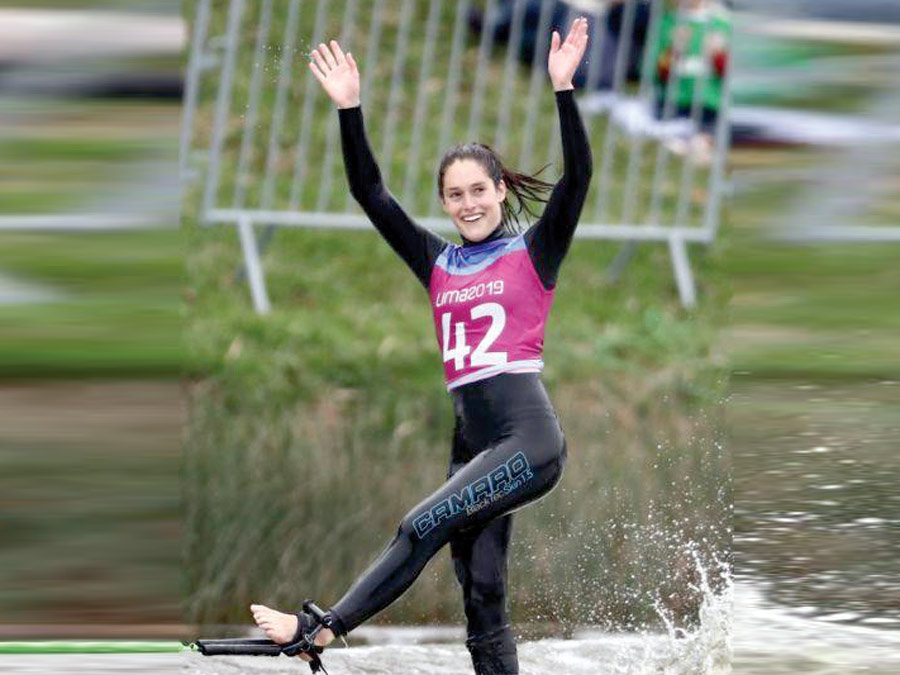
{"x":517,"y":470}
{"x":480,"y":562}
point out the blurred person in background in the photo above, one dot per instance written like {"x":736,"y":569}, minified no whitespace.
{"x":607,"y":33}
{"x":691,"y":58}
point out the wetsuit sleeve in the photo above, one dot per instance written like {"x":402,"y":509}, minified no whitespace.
{"x":549,"y":238}
{"x":418,"y":247}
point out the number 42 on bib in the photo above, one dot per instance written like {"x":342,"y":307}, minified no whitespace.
{"x":480,"y":356}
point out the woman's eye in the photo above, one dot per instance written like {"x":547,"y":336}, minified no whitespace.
{"x":478,"y":191}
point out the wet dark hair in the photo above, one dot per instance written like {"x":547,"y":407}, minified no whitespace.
{"x":526,"y":188}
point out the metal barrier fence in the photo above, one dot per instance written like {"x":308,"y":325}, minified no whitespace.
{"x":269,"y":136}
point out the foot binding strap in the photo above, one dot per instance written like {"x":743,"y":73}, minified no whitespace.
{"x":309,"y":622}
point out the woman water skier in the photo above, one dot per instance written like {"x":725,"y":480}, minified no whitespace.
{"x":490,"y":296}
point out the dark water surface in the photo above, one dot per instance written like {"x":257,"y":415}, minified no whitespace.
{"x":817,"y":507}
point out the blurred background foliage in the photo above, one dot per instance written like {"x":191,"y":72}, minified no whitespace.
{"x":90,"y":327}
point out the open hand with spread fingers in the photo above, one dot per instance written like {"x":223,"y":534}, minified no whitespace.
{"x":337,"y":73}
{"x":563,"y":60}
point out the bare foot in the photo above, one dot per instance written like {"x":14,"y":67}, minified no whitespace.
{"x":280,"y":627}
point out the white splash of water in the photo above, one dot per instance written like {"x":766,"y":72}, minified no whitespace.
{"x":707,"y":649}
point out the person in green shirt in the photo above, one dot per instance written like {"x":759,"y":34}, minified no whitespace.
{"x":691,"y":57}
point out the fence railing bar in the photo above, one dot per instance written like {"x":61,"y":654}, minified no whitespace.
{"x":373,"y":41}
{"x":252,"y":115}
{"x":387,"y":147}
{"x":609,"y":139}
{"x":595,"y":70}
{"x":484,"y":57}
{"x":717,"y":173}
{"x":253,"y":265}
{"x":668,"y":108}
{"x":645,"y":94}
{"x":191,"y":83}
{"x":310,"y":93}
{"x":554,"y":148}
{"x":284,"y":77}
{"x":595,"y":58}
{"x":412,"y":165}
{"x":452,"y":95}
{"x":832,"y":233}
{"x":536,"y":84}
{"x":331,"y":130}
{"x":274,"y":152}
{"x":681,"y":266}
{"x":509,"y":75}
{"x":682,"y":210}
{"x":222,"y":103}
{"x":84,"y":222}
{"x":352,"y":221}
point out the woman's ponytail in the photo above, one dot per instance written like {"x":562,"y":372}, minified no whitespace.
{"x":527,"y":190}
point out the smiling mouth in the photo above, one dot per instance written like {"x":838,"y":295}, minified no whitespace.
{"x":471,"y":219}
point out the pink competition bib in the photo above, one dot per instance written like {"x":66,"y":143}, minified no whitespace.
{"x":490,"y":310}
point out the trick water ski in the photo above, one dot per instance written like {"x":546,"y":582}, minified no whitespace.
{"x":309,"y":622}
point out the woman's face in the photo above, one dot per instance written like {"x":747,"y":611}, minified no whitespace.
{"x":471,"y":199}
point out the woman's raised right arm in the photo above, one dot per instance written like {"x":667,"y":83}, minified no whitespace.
{"x":339,"y":76}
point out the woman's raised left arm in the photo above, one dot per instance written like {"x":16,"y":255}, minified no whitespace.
{"x":549,"y":238}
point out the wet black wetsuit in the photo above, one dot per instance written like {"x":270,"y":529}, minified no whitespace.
{"x":508,"y":448}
